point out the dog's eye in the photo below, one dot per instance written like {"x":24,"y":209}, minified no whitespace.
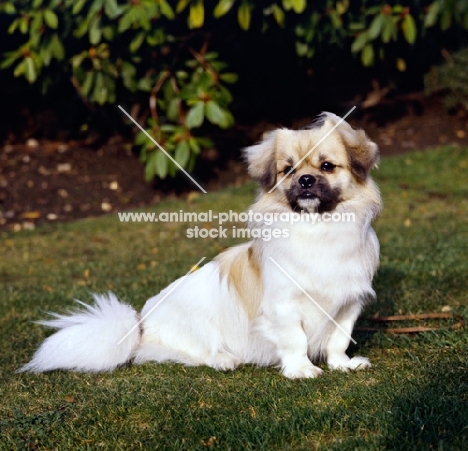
{"x":289,"y":170}
{"x":327,"y":166}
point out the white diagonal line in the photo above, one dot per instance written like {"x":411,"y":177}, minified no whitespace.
{"x":308,"y":153}
{"x":161,"y":300}
{"x":313,"y":300}
{"x":160,"y":147}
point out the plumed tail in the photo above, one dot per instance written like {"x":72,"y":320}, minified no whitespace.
{"x":101,"y":337}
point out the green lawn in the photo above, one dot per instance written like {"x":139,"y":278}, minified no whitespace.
{"x":414,"y":398}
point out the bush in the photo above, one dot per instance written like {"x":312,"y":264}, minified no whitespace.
{"x":450,"y":80}
{"x":174,"y":56}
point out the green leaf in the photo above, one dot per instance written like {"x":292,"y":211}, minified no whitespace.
{"x":20,"y":68}
{"x":228,"y":119}
{"x":367,"y":55}
{"x":298,"y":6}
{"x":373,"y":10}
{"x":9,"y":8}
{"x":408,"y":25}
{"x":24,"y":24}
{"x":81,"y":28}
{"x":30,"y":71}
{"x":108,"y":33}
{"x":13,"y":26}
{"x":141,"y":139}
{"x":209,"y":56}
{"x":401,"y":64}
{"x":182,"y":153}
{"x":376,"y":26}
{"x":244,"y":15}
{"x":169,"y":128}
{"x":51,"y":19}
{"x":196,"y":115}
{"x":78,"y":59}
{"x":158,"y":37}
{"x":342,"y":7}
{"x":78,"y":6}
{"x":336,"y":20}
{"x":181,"y":5}
{"x":111,"y":8}
{"x":359,"y":42}
{"x":204,"y":142}
{"x":100,"y":90}
{"x":166,"y":10}
{"x":136,"y":42}
{"x":214,"y":113}
{"x":144,"y":84}
{"x":300,"y":31}
{"x":432,"y":14}
{"x":88,"y":83}
{"x":36,"y":24}
{"x":172,"y":111}
{"x":445,"y":20}
{"x":197,"y":14}
{"x":95,"y":30}
{"x":45,"y":54}
{"x":229,"y":77}
{"x":301,"y":48}
{"x":150,"y":166}
{"x":222,"y":8}
{"x":126,"y":21}
{"x":161,"y":163}
{"x":389,"y":30}
{"x":356,"y":26}
{"x":95,"y":35}
{"x":56,"y":47}
{"x":224,"y":95}
{"x":278,"y":14}
{"x":194,"y":145}
{"x":205,"y":82}
{"x":11,"y":57}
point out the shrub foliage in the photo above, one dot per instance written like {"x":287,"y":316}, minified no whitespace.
{"x":174,"y":56}
{"x":450,"y":80}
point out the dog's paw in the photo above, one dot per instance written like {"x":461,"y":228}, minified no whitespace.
{"x":345,"y":363}
{"x":225,"y":362}
{"x":359,"y":363}
{"x":305,"y":371}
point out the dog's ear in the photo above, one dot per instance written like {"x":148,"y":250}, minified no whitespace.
{"x":261,"y":160}
{"x":363,"y":153}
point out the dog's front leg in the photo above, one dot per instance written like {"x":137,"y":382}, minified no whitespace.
{"x":282,"y":326}
{"x":339,"y":341}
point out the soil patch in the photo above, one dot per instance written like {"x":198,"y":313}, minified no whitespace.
{"x":62,"y":181}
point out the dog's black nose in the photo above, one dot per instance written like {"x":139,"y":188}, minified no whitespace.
{"x":306,"y":181}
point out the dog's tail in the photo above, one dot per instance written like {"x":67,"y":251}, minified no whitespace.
{"x":99,"y":338}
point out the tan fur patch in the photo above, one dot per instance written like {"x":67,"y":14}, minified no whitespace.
{"x":241,"y":266}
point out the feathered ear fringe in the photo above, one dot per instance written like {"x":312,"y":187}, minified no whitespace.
{"x":362,"y":152}
{"x":261,"y":161}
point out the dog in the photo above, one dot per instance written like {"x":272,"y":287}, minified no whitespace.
{"x":288,"y":301}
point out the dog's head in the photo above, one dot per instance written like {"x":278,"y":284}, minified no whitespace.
{"x":313,"y":169}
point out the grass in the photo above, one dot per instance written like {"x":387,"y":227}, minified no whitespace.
{"x":414,"y":398}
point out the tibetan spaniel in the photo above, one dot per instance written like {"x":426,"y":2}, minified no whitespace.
{"x":288,"y":301}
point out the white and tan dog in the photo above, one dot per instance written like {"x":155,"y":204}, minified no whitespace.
{"x":287,"y":301}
